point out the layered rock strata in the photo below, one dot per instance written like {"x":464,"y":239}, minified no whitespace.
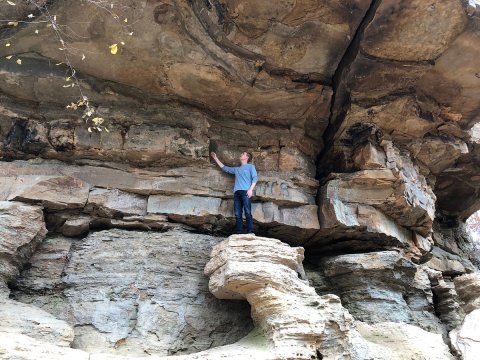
{"x":362,"y":117}
{"x":130,"y":292}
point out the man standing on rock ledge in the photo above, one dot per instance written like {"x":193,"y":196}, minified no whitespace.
{"x":245,"y":181}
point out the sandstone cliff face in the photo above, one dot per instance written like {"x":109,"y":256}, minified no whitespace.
{"x":360,"y":115}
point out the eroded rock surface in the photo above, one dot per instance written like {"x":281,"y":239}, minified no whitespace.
{"x":21,"y":229}
{"x":299,"y":323}
{"x":382,"y":286}
{"x":128,"y":292}
{"x":361,"y":117}
{"x":465,"y":339}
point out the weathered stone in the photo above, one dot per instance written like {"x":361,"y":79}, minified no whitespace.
{"x":273,"y":186}
{"x":360,"y":222}
{"x":21,"y":230}
{"x":399,"y":341}
{"x":114,"y":203}
{"x":76,"y":227}
{"x":448,"y":264}
{"x":22,"y":347}
{"x":207,"y":212}
{"x":466,"y":339}
{"x":64,"y":192}
{"x":401,"y":200}
{"x":46,"y":266}
{"x":17,"y":318}
{"x":468,"y":288}
{"x":381,"y":286}
{"x":446,"y":300}
{"x":369,"y":157}
{"x":299,"y":323}
{"x":146,"y":289}
{"x":400,"y":38}
{"x":437,"y":153}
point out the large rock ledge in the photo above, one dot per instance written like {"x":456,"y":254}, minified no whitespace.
{"x":291,"y":320}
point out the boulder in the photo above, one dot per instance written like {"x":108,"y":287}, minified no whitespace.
{"x":17,"y":318}
{"x":447,"y":263}
{"x":76,"y":227}
{"x":21,"y":229}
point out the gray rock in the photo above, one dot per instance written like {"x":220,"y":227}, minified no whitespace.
{"x":17,"y":318}
{"x":381,"y":286}
{"x":468,"y":288}
{"x":76,"y":227}
{"x":62,"y":192}
{"x":115,"y":203}
{"x":143,"y":290}
{"x":447,"y":263}
{"x":21,"y":230}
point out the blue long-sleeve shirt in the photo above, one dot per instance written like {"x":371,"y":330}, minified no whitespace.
{"x":245,"y":175}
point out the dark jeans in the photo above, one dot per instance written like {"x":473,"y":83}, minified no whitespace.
{"x":242,"y":202}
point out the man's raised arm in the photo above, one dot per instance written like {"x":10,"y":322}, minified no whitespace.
{"x":225,"y":168}
{"x":214,"y":157}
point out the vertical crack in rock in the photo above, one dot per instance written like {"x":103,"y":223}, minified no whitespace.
{"x":340,"y":97}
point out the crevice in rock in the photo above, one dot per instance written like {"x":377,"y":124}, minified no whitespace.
{"x":340,"y":99}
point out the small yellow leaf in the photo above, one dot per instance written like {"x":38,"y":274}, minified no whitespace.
{"x":12,"y":23}
{"x":36,"y":31}
{"x":130,"y":33}
{"x":11,"y":3}
{"x":113,"y":49}
{"x":19,"y":61}
{"x":7,"y":44}
{"x":60,"y":63}
{"x":66,"y":86}
{"x":89,"y":129}
{"x":122,"y":42}
{"x":126,"y":20}
{"x":97,"y":120}
{"x":8,"y":57}
{"x":106,"y":129}
{"x":83,"y":57}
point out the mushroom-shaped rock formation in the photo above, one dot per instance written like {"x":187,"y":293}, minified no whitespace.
{"x":298,"y":322}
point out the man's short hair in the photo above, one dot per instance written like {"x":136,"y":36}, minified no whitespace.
{"x":249,"y":154}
